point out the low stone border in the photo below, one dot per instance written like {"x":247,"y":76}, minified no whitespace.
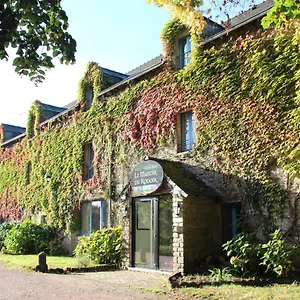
{"x":68,"y":270}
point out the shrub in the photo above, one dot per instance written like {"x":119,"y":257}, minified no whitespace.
{"x":4,"y":229}
{"x":103,"y":246}
{"x":243,"y":254}
{"x":28,"y":238}
{"x":276,"y":255}
{"x":252,"y":258}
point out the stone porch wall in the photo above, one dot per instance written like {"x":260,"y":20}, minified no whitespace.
{"x":178,"y":241}
{"x":201,"y":230}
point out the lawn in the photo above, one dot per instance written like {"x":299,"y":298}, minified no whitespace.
{"x":233,"y":291}
{"x":30,"y":261}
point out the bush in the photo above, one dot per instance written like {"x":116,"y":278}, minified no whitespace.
{"x":102,"y":247}
{"x":276,"y":255}
{"x":243,"y":254}
{"x":28,"y":238}
{"x":4,"y":229}
{"x":252,"y":258}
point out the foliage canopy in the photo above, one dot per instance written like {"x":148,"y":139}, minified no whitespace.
{"x":38,"y":31}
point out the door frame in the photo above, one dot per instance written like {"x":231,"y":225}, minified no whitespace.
{"x":155,"y":201}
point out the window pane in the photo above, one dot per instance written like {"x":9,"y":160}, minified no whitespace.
{"x":165,"y":234}
{"x":184,"y":51}
{"x":187,"y":50}
{"x":85,"y":218}
{"x":96,"y":214}
{"x":187,"y":131}
{"x":89,"y":98}
{"x":144,"y":233}
{"x":90,"y":161}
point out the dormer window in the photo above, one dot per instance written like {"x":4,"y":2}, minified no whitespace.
{"x":89,"y":100}
{"x":184,"y":51}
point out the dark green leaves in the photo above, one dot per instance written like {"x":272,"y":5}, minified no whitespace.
{"x":34,"y":28}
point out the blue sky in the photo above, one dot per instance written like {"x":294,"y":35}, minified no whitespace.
{"x":119,"y":34}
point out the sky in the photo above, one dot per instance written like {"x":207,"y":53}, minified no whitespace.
{"x":119,"y":35}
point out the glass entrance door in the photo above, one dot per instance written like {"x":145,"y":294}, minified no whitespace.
{"x":145,"y":233}
{"x":153,"y":233}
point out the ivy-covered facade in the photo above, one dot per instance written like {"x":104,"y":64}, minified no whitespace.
{"x":224,"y":129}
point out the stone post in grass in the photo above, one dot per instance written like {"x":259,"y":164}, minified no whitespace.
{"x":42,"y":266}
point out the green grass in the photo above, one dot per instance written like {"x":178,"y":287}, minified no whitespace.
{"x":232,"y":291}
{"x":30,"y":261}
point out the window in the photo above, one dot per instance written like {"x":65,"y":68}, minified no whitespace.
{"x":89,"y":100}
{"x":231,"y":220}
{"x":184,"y":51}
{"x":187,"y":134}
{"x":93,"y":216}
{"x":88,"y":161}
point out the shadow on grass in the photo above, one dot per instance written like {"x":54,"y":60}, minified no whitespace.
{"x":254,"y":282}
{"x":178,"y":281}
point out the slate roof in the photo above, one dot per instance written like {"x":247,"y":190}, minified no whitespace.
{"x":251,"y":14}
{"x":12,"y":132}
{"x":51,"y":108}
{"x":146,"y":65}
{"x":71,"y":104}
{"x":188,"y":181}
{"x":109,"y":72}
{"x":12,"y":128}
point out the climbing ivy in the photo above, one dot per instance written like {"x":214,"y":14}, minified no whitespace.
{"x":93,"y":78}
{"x":246,"y":102}
{"x":33,"y":119}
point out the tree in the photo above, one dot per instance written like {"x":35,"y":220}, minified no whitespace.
{"x":283,"y":13}
{"x":37,"y":29}
{"x":190,"y":12}
{"x":186,"y":11}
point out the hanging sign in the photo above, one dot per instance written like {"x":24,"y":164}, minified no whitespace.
{"x":146,"y":177}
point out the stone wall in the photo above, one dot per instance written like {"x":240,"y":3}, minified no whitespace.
{"x":178,"y":238}
{"x":201,"y":230}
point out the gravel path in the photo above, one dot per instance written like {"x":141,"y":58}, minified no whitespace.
{"x":19,"y":285}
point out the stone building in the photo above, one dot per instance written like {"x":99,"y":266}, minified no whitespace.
{"x":130,"y":152}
